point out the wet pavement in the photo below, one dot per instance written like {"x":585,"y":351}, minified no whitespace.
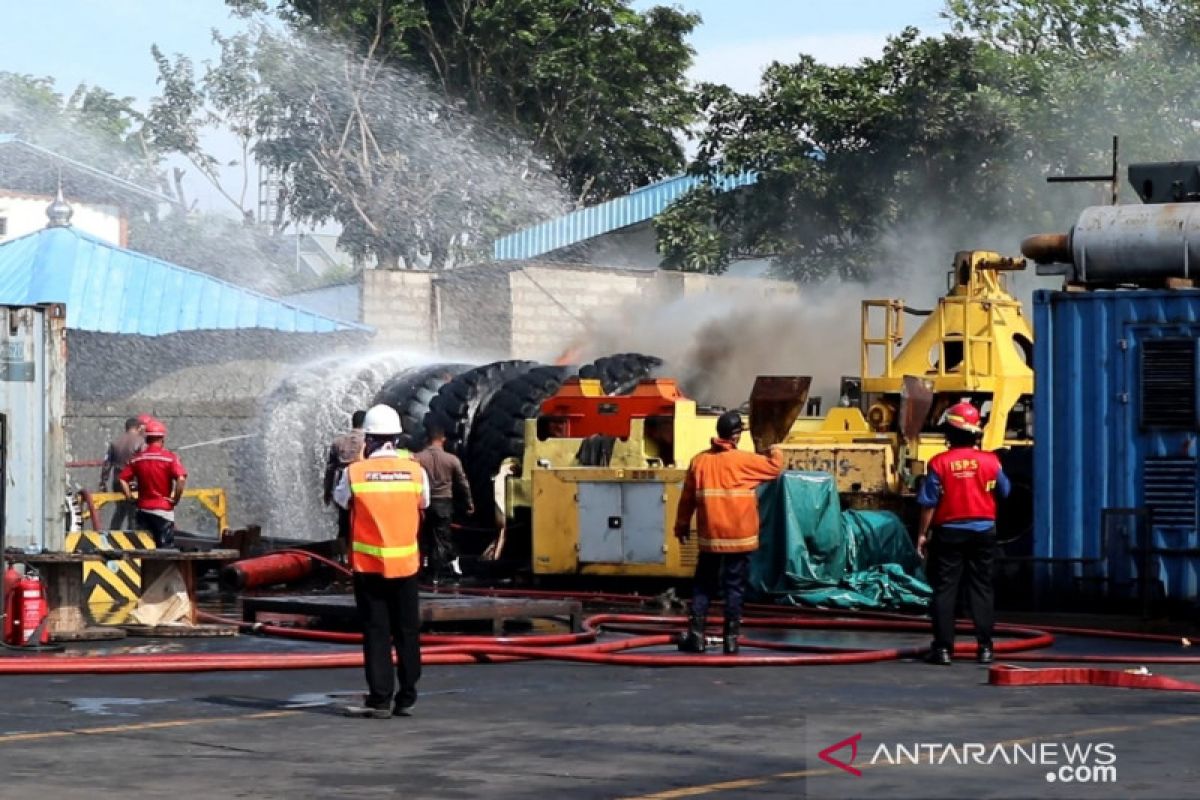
{"x":559,"y":730}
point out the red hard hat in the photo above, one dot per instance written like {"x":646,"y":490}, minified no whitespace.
{"x":155,"y":428}
{"x":145,"y":419}
{"x":963,"y":416}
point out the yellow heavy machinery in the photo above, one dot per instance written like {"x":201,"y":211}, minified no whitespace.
{"x":975,"y":345}
{"x":596,"y":489}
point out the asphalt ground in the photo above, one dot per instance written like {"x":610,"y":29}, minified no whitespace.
{"x":550,"y":730}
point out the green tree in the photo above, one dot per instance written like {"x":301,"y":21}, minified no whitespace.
{"x":90,"y":125}
{"x":844,"y":154}
{"x":1100,"y":67}
{"x":948,"y":138}
{"x":1041,"y":27}
{"x":226,"y":96}
{"x":412,"y":179}
{"x":598,"y":89}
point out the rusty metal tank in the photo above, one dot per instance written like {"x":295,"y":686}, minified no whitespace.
{"x":1131,"y":244}
{"x":1124,"y":244}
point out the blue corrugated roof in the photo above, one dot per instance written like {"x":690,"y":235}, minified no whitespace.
{"x":638,"y":206}
{"x":111,"y":290}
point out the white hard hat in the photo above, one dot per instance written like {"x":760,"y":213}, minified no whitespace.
{"x":382,"y":420}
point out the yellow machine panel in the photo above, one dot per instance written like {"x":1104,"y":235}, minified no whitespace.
{"x":608,"y":522}
{"x":863,"y":467}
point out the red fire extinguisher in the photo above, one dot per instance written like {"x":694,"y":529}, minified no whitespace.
{"x":11,"y":604}
{"x":27,"y":609}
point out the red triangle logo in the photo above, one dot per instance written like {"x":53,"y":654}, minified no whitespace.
{"x":826,"y":754}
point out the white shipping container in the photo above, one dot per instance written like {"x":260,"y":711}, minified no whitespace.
{"x":33,"y":397}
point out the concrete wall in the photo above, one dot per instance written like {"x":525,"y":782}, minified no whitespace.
{"x":90,"y":426}
{"x":26,"y":213}
{"x":206,"y":386}
{"x":473,"y":313}
{"x":399,"y":305}
{"x":551,"y":306}
{"x":531,"y":310}
{"x":692,"y":284}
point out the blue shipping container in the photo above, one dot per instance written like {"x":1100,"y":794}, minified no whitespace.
{"x":1116,"y":418}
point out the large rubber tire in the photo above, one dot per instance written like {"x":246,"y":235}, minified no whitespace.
{"x":411,"y":392}
{"x":499,"y":430}
{"x":454,"y":407}
{"x":620,"y":373}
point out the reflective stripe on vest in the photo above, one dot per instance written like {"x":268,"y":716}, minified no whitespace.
{"x":728,"y":545}
{"x":385,"y":515}
{"x":385,"y":552}
{"x":726,"y":493}
{"x":383,"y":487}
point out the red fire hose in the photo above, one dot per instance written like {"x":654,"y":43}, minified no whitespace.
{"x":1007,"y":675}
{"x":579,"y":648}
{"x":645,"y":631}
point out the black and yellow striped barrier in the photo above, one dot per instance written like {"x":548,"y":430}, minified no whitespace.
{"x":110,"y":588}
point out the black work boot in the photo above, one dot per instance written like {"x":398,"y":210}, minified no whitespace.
{"x":693,"y":640}
{"x":733,"y":629}
{"x":939,"y":656}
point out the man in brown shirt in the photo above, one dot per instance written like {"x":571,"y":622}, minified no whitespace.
{"x":345,"y":450}
{"x":120,"y":450}
{"x":446,"y":478}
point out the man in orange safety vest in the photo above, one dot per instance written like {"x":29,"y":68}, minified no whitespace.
{"x":720,"y":490}
{"x":385,"y":493}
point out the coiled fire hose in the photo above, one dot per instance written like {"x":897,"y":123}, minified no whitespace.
{"x":1015,"y":643}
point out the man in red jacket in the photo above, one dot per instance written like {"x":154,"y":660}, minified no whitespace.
{"x":161,"y":479}
{"x":720,"y":489}
{"x":958,"y":500}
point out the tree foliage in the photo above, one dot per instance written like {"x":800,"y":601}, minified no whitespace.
{"x":427,"y":129}
{"x":91,"y":125}
{"x":597,"y":89}
{"x":411,"y":179}
{"x":947,"y":137}
{"x":227,"y":96}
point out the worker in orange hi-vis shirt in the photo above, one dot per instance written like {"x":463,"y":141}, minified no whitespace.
{"x":720,"y":491}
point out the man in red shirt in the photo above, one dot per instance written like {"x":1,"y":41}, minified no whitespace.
{"x":958,"y":531}
{"x":161,"y":479}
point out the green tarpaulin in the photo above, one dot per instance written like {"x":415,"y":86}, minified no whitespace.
{"x":813,"y":553}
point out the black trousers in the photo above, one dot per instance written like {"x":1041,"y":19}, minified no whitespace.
{"x":721,"y":570}
{"x":958,"y":557}
{"x":162,"y":529}
{"x":437,"y":543}
{"x":123,"y":512}
{"x":343,"y":534}
{"x":389,"y":609}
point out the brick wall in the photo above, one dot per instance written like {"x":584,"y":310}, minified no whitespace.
{"x":399,"y":305}
{"x":552,"y":306}
{"x":523,"y":311}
